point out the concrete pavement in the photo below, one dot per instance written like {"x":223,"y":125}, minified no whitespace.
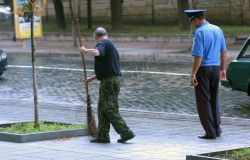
{"x":158,"y":135}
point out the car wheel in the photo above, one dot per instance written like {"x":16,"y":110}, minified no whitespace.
{"x":1,"y":73}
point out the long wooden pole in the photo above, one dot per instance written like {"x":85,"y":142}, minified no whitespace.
{"x":83,"y":61}
{"x":90,"y":113}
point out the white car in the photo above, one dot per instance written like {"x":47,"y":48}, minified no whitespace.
{"x":4,"y":13}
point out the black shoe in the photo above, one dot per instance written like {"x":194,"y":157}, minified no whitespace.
{"x":207,"y":137}
{"x":99,"y":141}
{"x":123,"y":140}
{"x":218,"y":134}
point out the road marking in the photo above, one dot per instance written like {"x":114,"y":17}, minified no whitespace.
{"x":90,"y":70}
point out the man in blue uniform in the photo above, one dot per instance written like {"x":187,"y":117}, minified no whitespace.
{"x":210,"y":57}
{"x":107,"y":71}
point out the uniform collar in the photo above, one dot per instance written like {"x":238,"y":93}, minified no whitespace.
{"x":204,"y":23}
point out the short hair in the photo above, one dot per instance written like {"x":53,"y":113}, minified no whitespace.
{"x":100,"y":31}
{"x":201,"y":17}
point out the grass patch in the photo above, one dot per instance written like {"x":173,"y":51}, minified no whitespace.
{"x":51,"y":26}
{"x":28,"y":127}
{"x":242,"y":154}
{"x":6,"y":26}
{"x":235,"y":29}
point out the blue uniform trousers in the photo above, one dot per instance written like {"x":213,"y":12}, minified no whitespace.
{"x":206,"y":94}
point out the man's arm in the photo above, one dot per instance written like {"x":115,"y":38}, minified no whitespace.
{"x":223,"y":61}
{"x":196,"y":65}
{"x":92,"y":52}
{"x":89,"y":79}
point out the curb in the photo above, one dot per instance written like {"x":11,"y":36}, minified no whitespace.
{"x":124,"y":55}
{"x":40,"y":136}
{"x":163,"y":38}
{"x":212,"y":155}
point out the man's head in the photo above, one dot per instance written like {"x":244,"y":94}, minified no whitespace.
{"x":100,"y":33}
{"x":196,"y":17}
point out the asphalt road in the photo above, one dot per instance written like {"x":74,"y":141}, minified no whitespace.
{"x":146,"y":85}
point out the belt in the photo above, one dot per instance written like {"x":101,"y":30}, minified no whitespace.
{"x":108,"y":77}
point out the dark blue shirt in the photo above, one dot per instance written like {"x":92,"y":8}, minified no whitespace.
{"x":107,"y":64}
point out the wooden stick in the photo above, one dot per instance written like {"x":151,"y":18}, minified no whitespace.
{"x":83,"y":61}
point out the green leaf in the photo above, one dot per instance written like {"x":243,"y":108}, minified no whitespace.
{"x":25,"y":15}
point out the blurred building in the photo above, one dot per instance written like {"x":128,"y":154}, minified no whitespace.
{"x":228,"y":12}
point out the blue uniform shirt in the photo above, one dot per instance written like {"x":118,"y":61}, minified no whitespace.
{"x":208,"y":42}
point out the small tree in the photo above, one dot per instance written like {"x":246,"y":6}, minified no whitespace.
{"x":29,"y":6}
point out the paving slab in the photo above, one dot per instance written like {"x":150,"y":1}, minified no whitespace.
{"x":159,"y":135}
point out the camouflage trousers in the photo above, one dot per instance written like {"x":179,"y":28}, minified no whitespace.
{"x":108,"y":110}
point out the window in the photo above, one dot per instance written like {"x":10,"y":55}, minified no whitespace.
{"x":246,"y":54}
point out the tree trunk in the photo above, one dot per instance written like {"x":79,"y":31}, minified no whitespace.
{"x":153,"y":11}
{"x":47,"y":12}
{"x":183,"y":18}
{"x":73,"y":24}
{"x":193,"y":4}
{"x":36,"y":124}
{"x":79,"y":9}
{"x":59,"y":14}
{"x":89,"y":9}
{"x":116,"y":14}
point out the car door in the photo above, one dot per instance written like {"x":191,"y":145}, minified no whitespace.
{"x":238,"y":72}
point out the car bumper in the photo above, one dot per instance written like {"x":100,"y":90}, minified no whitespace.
{"x":3,"y":65}
{"x":225,"y":83}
